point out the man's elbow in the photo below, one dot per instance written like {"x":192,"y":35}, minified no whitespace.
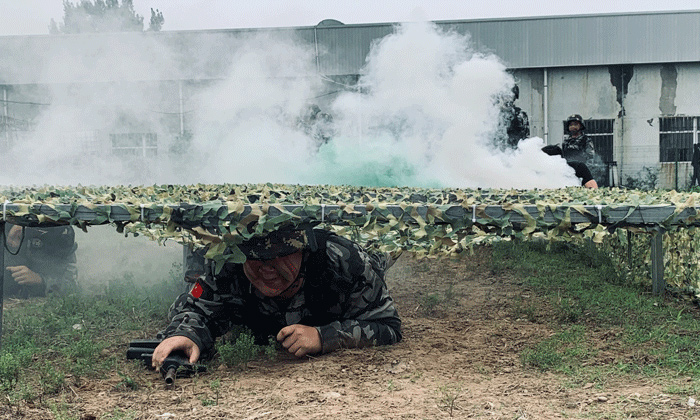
{"x":591,"y":184}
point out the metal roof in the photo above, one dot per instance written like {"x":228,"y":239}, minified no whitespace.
{"x":533,"y":42}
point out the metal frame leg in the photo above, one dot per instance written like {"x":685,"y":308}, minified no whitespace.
{"x":2,"y":273}
{"x":657,"y":264}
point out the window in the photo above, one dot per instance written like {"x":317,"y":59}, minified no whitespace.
{"x":134,"y":144}
{"x":676,"y":138}
{"x":601,"y":134}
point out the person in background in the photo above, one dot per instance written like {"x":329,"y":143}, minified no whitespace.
{"x":577,"y":146}
{"x":516,"y":120}
{"x":582,"y":171}
{"x":695,"y":163}
{"x":39,"y":261}
{"x":311,"y":290}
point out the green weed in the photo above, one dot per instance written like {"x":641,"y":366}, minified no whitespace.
{"x":429,"y":303}
{"x":448,"y":395}
{"x":241,"y":349}
{"x":126,"y":384}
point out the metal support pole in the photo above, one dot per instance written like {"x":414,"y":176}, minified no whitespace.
{"x":629,"y":248}
{"x":657,"y":264}
{"x":2,"y":273}
{"x":6,"y":116}
{"x":182,"y":109}
{"x":545,"y":106}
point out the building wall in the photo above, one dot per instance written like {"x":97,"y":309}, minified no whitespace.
{"x":634,"y":97}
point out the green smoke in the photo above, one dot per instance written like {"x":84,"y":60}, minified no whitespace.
{"x":372,"y":164}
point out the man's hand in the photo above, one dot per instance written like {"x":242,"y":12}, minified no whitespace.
{"x":300,"y":340}
{"x":14,"y":237}
{"x":171,"y":344}
{"x":23,"y":275}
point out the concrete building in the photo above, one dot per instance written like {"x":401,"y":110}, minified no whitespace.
{"x":635,"y":78}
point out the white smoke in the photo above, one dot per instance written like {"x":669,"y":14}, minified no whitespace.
{"x":427,"y":106}
{"x":424,"y":113}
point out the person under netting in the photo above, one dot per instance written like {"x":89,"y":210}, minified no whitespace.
{"x":39,"y":261}
{"x":312,"y":290}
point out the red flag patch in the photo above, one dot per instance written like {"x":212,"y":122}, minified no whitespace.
{"x":197,"y":290}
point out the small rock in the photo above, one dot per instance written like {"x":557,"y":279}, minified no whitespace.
{"x":602,"y":398}
{"x":77,"y":327}
{"x":300,"y":379}
{"x":691,"y":402}
{"x":332,"y":394}
{"x":588,"y":385}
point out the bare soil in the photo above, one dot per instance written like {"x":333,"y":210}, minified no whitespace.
{"x":460,"y":358}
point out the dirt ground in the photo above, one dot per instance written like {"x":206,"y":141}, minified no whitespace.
{"x":458,"y":359}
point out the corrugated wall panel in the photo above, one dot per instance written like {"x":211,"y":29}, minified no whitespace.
{"x":563,"y":41}
{"x":343,"y":49}
{"x":588,"y":40}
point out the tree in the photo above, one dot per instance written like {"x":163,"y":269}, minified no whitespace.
{"x":89,"y":16}
{"x":157,"y":20}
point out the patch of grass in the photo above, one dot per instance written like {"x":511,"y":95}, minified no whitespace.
{"x":525,"y":310}
{"x":53,"y":343}
{"x":583,"y":295}
{"x":563,"y":352}
{"x":240,"y":348}
{"x":126,"y":384}
{"x":430,"y":303}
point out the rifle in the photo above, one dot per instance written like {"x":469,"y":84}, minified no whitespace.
{"x":176,"y":365}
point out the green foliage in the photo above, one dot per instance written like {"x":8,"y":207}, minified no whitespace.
{"x":127,"y":383}
{"x":430,"y":303}
{"x":89,"y":16}
{"x":157,"y":20}
{"x":448,"y":395}
{"x":10,"y":367}
{"x":241,"y":349}
{"x":645,"y":179}
{"x":216,"y":387}
{"x":563,"y":352}
{"x":584,"y":296}
{"x":56,"y":342}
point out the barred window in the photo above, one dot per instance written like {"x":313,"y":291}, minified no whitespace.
{"x":601,"y":134}
{"x":676,"y":138}
{"x":134,"y":144}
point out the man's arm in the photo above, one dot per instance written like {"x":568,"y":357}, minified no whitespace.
{"x":51,"y":260}
{"x":369,"y":316}
{"x":203,"y":313}
{"x":59,"y":274}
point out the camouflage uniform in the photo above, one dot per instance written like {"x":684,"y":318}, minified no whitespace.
{"x":49,"y":252}
{"x":517,"y":127}
{"x":578,"y":149}
{"x":343,"y":295}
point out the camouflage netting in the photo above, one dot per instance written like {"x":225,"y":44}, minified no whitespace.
{"x":429,"y":222}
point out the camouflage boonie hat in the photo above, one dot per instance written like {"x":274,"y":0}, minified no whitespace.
{"x":275,"y":244}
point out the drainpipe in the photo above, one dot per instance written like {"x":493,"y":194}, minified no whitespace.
{"x":6,"y":114}
{"x":622,"y":132}
{"x":546,"y":107}
{"x":318,"y":65}
{"x":182,"y":110}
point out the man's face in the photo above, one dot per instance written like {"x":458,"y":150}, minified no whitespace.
{"x":272,"y":277}
{"x":574,"y":127}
